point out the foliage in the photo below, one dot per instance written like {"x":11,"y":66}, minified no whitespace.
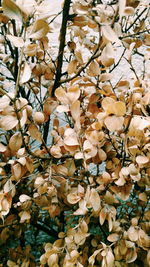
{"x":74,"y":139}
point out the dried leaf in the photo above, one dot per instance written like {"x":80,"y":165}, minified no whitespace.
{"x":114,"y":123}
{"x":15,"y":40}
{"x":95,"y":200}
{"x":26,"y":74}
{"x":12,"y":10}
{"x":109,"y":34}
{"x":107,"y":56}
{"x":39,"y":30}
{"x":8,"y":122}
{"x":15,"y":142}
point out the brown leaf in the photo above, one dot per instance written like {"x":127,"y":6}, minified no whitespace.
{"x":15,"y":142}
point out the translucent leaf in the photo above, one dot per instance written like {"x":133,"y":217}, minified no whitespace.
{"x":15,"y":40}
{"x":34,"y":132}
{"x":107,"y":56}
{"x":39,"y":30}
{"x":2,"y":148}
{"x":73,"y":93}
{"x":95,"y":200}
{"x":92,"y":258}
{"x":26,"y":74}
{"x":12,"y":10}
{"x":109,"y":34}
{"x":113,"y":237}
{"x":73,"y":198}
{"x":114,"y":123}
{"x":8,"y":122}
{"x":15,"y":142}
{"x":110,"y":258}
{"x":4,"y":102}
{"x":24,"y":198}
{"x":61,"y":95}
{"x":94,"y":68}
{"x":142,"y":159}
{"x":24,"y":216}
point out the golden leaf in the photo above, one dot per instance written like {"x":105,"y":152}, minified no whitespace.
{"x":4,"y":102}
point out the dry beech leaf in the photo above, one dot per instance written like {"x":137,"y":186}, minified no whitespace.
{"x":30,"y":50}
{"x":122,"y":5}
{"x":15,"y":40}
{"x":61,"y":95}
{"x":94,"y":69}
{"x":39,"y":30}
{"x":2,"y":148}
{"x":113,"y":237}
{"x":95,"y":200}
{"x":92,"y":258}
{"x":142,"y":160}
{"x":75,"y":112}
{"x":8,"y":122}
{"x":107,"y":56}
{"x":109,"y":34}
{"x":24,"y":216}
{"x":72,"y":66}
{"x":24,"y":198}
{"x":114,"y":123}
{"x":34,"y":132}
{"x":12,"y":10}
{"x":73,"y":93}
{"x":15,"y":142}
{"x":26,"y":74}
{"x":4,"y":102}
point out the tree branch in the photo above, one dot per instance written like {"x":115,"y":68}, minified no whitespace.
{"x":63,"y":31}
